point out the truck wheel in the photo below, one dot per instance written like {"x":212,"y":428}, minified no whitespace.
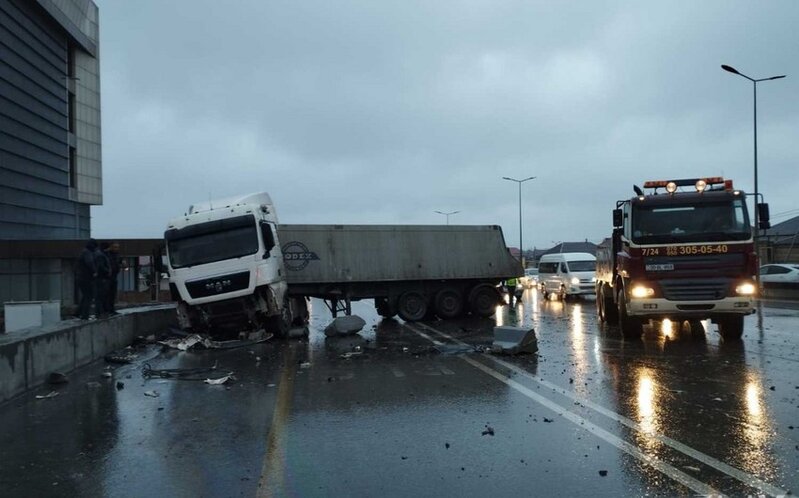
{"x":483,"y":300}
{"x":448,"y":303}
{"x":384,"y":308}
{"x":280,"y":324}
{"x":630,"y":327}
{"x":412,"y":306}
{"x":609,"y":309}
{"x":731,"y":328}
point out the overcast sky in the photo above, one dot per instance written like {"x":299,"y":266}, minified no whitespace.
{"x":384,"y":112}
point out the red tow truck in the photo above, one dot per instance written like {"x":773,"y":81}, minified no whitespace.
{"x":683,"y":251}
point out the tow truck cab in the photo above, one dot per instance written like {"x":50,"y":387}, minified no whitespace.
{"x":684,"y":253}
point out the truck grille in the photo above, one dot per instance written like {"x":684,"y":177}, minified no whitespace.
{"x":694,"y":290}
{"x":218,"y":285}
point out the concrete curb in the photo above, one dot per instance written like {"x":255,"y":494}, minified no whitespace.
{"x":28,"y":356}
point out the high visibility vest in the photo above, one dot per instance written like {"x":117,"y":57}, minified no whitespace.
{"x":511,"y":282}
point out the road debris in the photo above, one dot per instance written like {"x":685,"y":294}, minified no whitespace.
{"x":692,"y":468}
{"x":350,"y":354}
{"x":107,"y":375}
{"x":514,"y":340}
{"x":151,"y":394}
{"x":603,"y":473}
{"x":126,"y":355}
{"x":220,"y":380}
{"x":305,"y":364}
{"x":489,"y":431}
{"x":199,"y":373}
{"x":51,"y":394}
{"x":120,"y":385}
{"x":345,"y":325}
{"x":197,"y":340}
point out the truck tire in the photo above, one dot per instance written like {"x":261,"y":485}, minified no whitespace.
{"x":412,"y":306}
{"x":610,"y":314}
{"x":448,"y":303}
{"x":483,"y":300}
{"x":731,"y":327}
{"x":630,"y":327}
{"x":280,"y":324}
{"x":384,"y":308}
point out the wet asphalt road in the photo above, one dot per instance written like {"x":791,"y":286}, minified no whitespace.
{"x":590,"y":415}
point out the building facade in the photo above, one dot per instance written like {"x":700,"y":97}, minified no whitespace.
{"x":50,"y":143}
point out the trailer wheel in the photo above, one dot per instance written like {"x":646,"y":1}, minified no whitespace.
{"x":630,"y":327}
{"x":412,"y":306}
{"x":384,"y":308}
{"x":448,"y":303}
{"x":483,"y":300}
{"x":731,"y":327}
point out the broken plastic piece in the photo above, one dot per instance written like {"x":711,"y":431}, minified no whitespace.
{"x":152,"y":394}
{"x":51,"y":394}
{"x":514,"y":340}
{"x":220,"y":380}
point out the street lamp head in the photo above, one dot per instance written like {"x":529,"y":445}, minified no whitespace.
{"x":729,"y":69}
{"x":776,"y":77}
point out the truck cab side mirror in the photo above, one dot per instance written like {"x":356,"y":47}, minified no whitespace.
{"x":269,"y":238}
{"x":618,"y":219}
{"x":763,"y":221}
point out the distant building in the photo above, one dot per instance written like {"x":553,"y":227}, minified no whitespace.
{"x":50,"y":147}
{"x":780,"y":243}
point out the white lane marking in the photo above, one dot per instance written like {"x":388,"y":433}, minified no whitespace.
{"x":740,"y":475}
{"x":665,"y":468}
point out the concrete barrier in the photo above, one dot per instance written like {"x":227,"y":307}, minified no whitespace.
{"x":28,"y":356}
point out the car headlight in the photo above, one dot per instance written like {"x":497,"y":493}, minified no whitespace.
{"x":746,"y":289}
{"x":640,"y":291}
{"x":575,"y":281}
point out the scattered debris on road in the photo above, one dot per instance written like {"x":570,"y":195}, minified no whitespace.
{"x":489,"y":431}
{"x":107,"y":375}
{"x":514,"y":340}
{"x":220,"y":380}
{"x":199,"y":373}
{"x":126,"y":355}
{"x":345,"y":325}
{"x":189,"y":342}
{"x":51,"y":394}
{"x":603,"y":473}
{"x":120,"y":385}
{"x":348,"y":355}
{"x":151,"y":394}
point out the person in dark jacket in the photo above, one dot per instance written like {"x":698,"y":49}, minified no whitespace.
{"x":102,"y":280}
{"x":85,"y":275}
{"x":116,"y":264}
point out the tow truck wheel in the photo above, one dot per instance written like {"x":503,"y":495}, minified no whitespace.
{"x":731,"y":328}
{"x":412,"y":306}
{"x":448,"y":303}
{"x":630,"y":327}
{"x":609,"y":309}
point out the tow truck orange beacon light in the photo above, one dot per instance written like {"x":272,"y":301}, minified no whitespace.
{"x":701,"y":184}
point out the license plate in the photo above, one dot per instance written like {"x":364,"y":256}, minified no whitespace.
{"x":664,"y":267}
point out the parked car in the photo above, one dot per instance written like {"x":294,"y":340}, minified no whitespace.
{"x":779,"y":272}
{"x":530,"y":278}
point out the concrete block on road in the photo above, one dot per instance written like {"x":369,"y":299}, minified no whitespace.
{"x":514,"y":340}
{"x":345,"y":325}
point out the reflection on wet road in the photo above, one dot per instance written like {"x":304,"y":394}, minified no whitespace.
{"x":405,"y":409}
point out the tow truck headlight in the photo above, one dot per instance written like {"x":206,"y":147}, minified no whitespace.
{"x":641,"y":291}
{"x":575,"y":281}
{"x":701,"y":185}
{"x":746,"y":289}
{"x":671,"y":187}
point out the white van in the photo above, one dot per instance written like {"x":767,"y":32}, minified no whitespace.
{"x":567,"y":274}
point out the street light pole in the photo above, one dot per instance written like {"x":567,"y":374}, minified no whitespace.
{"x":754,"y":81}
{"x":521,"y":250}
{"x":448,"y":214}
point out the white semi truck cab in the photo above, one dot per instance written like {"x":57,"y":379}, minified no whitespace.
{"x":226,"y":268}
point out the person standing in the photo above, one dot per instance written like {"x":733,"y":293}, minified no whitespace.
{"x":115,"y":263}
{"x":85,"y":275}
{"x":102,"y":281}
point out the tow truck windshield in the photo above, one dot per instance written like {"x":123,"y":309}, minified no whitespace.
{"x":699,"y":221}
{"x":212,"y":241}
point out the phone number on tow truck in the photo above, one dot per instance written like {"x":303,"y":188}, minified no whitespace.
{"x":685,"y":250}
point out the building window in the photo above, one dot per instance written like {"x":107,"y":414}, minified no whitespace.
{"x":73,"y":170}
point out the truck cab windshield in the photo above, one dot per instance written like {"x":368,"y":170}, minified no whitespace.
{"x":699,"y":221}
{"x":212,"y":241}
